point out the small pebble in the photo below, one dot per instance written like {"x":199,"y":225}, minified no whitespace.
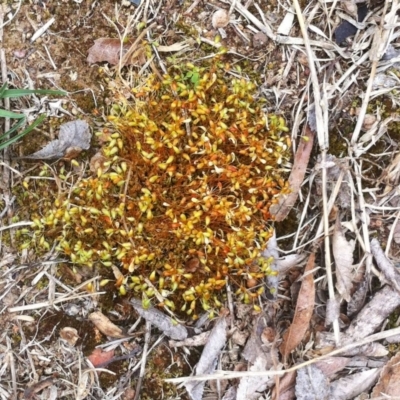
{"x":259,"y":40}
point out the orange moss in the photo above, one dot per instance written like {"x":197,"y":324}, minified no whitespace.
{"x":182,"y":201}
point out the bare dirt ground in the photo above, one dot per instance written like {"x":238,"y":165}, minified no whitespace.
{"x":326,"y":325}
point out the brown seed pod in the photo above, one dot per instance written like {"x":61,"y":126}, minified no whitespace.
{"x":192,"y":264}
{"x":251,"y":283}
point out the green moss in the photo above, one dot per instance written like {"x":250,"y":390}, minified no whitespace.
{"x":181,"y":198}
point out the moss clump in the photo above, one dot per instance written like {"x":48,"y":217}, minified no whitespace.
{"x":183,"y":194}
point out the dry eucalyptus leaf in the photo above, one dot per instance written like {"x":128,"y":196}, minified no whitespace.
{"x":350,"y":387}
{"x":106,"y":49}
{"x":220,"y":19}
{"x":208,"y":359}
{"x":105,"y":326}
{"x":109,"y":50}
{"x":372,"y":316}
{"x":99,"y":357}
{"x":303,"y":312}
{"x":252,"y":386}
{"x":74,"y":136}
{"x":390,"y":272}
{"x":311,"y":384}
{"x":286,"y":387}
{"x":30,"y":392}
{"x":389,"y":381}
{"x":296,"y":178}
{"x":343,"y":254}
{"x":163,"y":322}
{"x":330,"y":366}
{"x":230,"y":394}
{"x":357,"y":300}
{"x":261,"y":343}
{"x":70,"y":335}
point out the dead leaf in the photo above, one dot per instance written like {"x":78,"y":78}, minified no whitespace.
{"x":261,"y":344}
{"x":343,"y":254}
{"x":332,"y":365}
{"x":350,"y":387}
{"x":29,"y":393}
{"x":303,"y":312}
{"x":278,"y":264}
{"x":209,"y":356}
{"x":296,"y":178}
{"x":329,"y":367}
{"x":285,"y":390}
{"x":109,"y":50}
{"x":372,"y":316}
{"x":105,"y":326}
{"x":106,"y":49}
{"x":389,"y":380}
{"x":70,"y":335}
{"x":251,"y":387}
{"x":100,"y":357}
{"x":163,"y":322}
{"x":391,"y":274}
{"x":357,"y":300}
{"x":230,"y":394}
{"x":74,"y":137}
{"x":311,"y":384}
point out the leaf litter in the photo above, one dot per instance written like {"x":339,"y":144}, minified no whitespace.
{"x":342,"y":215}
{"x":74,"y":137}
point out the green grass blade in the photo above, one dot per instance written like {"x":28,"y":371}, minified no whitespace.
{"x":10,"y":114}
{"x":32,"y":126}
{"x":24,"y":92}
{"x":2,"y":90}
{"x":13,"y":129}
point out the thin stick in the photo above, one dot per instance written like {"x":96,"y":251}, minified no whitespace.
{"x":12,"y":368}
{"x":143,"y":362}
{"x":234,"y":375}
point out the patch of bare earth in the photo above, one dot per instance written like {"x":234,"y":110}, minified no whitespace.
{"x":327,"y":327}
